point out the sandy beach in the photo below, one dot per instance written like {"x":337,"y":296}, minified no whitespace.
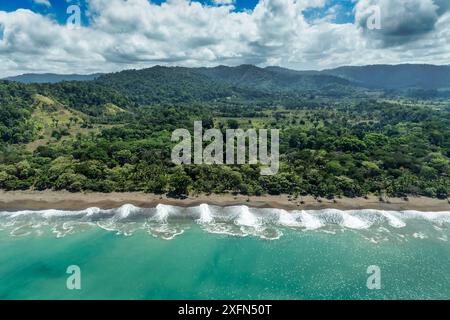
{"x":42,"y":200}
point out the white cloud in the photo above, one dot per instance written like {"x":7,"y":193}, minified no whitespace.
{"x":43,"y":2}
{"x":401,"y":20}
{"x":137,"y":34}
{"x":223,"y":2}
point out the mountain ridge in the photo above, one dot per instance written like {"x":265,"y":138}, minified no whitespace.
{"x":221,"y":81}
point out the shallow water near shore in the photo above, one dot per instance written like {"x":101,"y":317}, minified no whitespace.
{"x":208,"y":252}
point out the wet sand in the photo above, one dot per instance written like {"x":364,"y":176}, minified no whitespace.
{"x":42,"y":200}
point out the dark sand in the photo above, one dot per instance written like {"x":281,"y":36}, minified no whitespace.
{"x":41,"y":200}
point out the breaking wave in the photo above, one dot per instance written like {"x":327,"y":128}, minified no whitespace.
{"x":167,"y":222}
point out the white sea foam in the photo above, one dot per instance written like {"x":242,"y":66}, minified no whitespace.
{"x":126,"y":211}
{"x":353,"y":222}
{"x":346,"y":219}
{"x":288,"y":219}
{"x":162,"y":213}
{"x":164,"y":231}
{"x":169,"y":221}
{"x":59,"y":213}
{"x":90,"y":212}
{"x":205,"y":215}
{"x":436,"y":217}
{"x":309,"y":221}
{"x":21,"y":231}
{"x":270,"y":234}
{"x":393,"y":220}
{"x":246,"y":217}
{"x":17,"y":213}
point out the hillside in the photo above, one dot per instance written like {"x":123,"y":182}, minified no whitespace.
{"x":162,"y":84}
{"x":114,"y":134}
{"x":179,"y":84}
{"x":274,"y":80}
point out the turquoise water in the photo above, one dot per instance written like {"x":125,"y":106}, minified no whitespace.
{"x":216,"y":253}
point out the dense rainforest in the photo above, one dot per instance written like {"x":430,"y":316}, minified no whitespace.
{"x":113,"y":133}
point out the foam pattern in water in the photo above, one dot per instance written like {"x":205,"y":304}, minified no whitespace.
{"x":167,"y":222}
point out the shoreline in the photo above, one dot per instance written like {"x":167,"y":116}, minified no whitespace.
{"x":63,"y":200}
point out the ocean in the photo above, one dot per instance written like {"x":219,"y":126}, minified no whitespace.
{"x":210,"y":252}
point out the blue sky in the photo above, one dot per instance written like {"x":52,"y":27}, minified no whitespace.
{"x":58,"y":8}
{"x":344,"y":14}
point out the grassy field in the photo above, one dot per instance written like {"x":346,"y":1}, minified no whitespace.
{"x":55,"y":121}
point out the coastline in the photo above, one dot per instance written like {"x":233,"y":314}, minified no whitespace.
{"x":63,"y":200}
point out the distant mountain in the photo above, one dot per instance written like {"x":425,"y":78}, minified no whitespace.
{"x":165,"y":84}
{"x":405,"y":76}
{"x":51,"y":77}
{"x":179,"y":84}
{"x":274,"y":79}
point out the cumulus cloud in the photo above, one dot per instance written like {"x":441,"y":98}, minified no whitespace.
{"x":138,"y":33}
{"x":401,"y":20}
